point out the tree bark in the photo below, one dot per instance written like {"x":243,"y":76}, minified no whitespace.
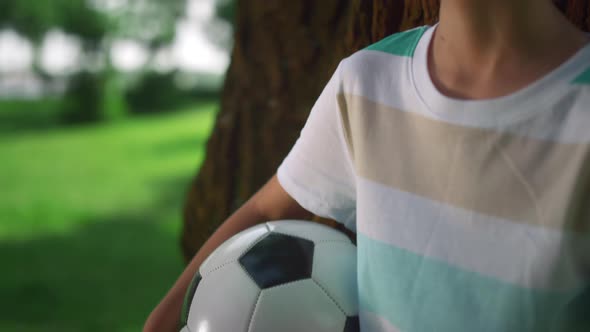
{"x":284,"y":53}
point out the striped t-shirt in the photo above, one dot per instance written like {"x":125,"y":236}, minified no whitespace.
{"x":471,"y":215}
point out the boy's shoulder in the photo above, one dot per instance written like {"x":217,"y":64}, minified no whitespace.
{"x":391,"y":50}
{"x":386,"y":57}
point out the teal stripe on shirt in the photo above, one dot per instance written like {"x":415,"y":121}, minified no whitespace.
{"x":583,"y":78}
{"x":419,"y":294}
{"x":401,"y":43}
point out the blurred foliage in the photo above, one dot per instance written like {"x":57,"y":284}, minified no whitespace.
{"x":114,"y":106}
{"x":226,"y":10}
{"x":83,"y":98}
{"x":93,"y":97}
{"x":217,"y":32}
{"x":152,"y":22}
{"x":33,"y":18}
{"x":149,"y":21}
{"x":155,"y":92}
{"x":97,"y":92}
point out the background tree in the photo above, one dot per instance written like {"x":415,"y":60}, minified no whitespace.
{"x":284,"y":53}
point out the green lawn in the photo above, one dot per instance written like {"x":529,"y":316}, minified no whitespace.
{"x":89,"y":220}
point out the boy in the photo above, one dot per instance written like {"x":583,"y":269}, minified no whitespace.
{"x":459,"y":155}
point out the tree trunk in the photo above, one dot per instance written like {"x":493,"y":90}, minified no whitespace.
{"x":284,"y":53}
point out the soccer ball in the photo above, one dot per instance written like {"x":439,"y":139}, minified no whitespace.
{"x":287,"y":276}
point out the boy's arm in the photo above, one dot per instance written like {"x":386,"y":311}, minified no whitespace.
{"x":271,"y":202}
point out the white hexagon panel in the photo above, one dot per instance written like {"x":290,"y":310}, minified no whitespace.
{"x":223,"y":301}
{"x":334,"y":269}
{"x":233,"y":248}
{"x":295,"y":307}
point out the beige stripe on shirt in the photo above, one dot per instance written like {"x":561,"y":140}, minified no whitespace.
{"x":492,"y":172}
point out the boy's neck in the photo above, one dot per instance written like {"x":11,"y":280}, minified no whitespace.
{"x":486,"y":49}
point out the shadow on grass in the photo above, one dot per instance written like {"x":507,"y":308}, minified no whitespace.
{"x":106,"y":276}
{"x":28,"y":115}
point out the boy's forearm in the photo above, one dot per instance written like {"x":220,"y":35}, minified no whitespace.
{"x":166,"y":315}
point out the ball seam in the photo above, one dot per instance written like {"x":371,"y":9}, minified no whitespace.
{"x":254,"y":310}
{"x":330,"y":296}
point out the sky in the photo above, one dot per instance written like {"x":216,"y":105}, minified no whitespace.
{"x":190,"y":51}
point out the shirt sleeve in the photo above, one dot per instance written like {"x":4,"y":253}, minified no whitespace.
{"x":318,"y":171}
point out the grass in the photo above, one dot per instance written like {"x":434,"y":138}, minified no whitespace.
{"x":89,"y":220}
{"x":33,"y":114}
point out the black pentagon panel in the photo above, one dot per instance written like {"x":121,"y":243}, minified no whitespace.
{"x":278,"y":259}
{"x":188,"y":298}
{"x":352,"y":324}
